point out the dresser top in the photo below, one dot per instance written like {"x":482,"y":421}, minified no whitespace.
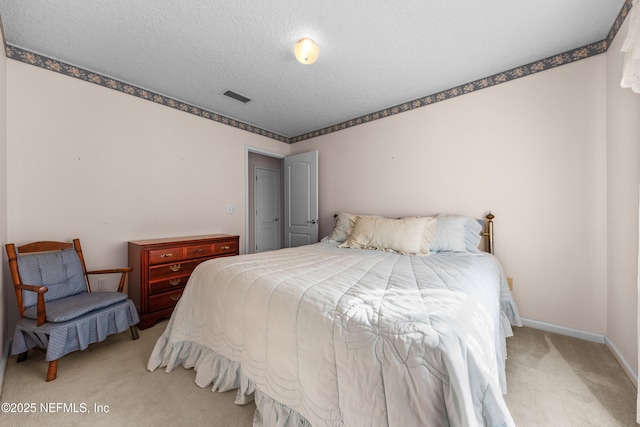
{"x":184,"y":239}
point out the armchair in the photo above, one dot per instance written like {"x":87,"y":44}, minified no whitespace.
{"x":59,"y":313}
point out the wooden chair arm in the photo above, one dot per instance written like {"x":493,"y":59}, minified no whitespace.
{"x":40,"y":309}
{"x":33,"y":288}
{"x":123,"y":278}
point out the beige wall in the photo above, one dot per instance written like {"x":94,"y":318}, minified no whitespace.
{"x":623,"y":177}
{"x":532,"y":151}
{"x":93,"y":163}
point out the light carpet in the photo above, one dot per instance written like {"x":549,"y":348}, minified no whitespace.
{"x":553,"y":380}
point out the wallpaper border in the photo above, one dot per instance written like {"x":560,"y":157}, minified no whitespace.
{"x":483,"y":83}
{"x":568,"y":57}
{"x":41,"y":61}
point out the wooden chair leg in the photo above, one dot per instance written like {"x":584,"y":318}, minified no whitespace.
{"x":134,"y":332}
{"x":22,"y":356}
{"x":52,"y":372}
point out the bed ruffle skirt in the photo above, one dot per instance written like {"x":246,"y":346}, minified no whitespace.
{"x":272,"y":413}
{"x":223,"y":375}
{"x":65,"y":337}
{"x":508,"y":316}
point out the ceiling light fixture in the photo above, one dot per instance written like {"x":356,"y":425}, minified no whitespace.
{"x":306,"y":51}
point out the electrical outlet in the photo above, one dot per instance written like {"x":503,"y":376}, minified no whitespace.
{"x":103,"y":284}
{"x":510,"y":282}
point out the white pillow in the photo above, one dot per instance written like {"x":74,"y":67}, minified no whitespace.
{"x":404,"y":235}
{"x":472,"y":236}
{"x":342,"y":229}
{"x":456,"y":234}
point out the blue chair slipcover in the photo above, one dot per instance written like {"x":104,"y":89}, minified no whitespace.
{"x":75,"y":317}
{"x":62,"y":338}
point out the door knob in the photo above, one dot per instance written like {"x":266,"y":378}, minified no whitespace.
{"x":276,"y":219}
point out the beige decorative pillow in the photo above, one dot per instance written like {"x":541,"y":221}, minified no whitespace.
{"x":404,"y":235}
{"x":429,"y":234}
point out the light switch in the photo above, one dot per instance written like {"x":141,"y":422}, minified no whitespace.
{"x":231,"y":208}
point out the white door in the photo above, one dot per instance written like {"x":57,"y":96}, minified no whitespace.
{"x":301,"y":199}
{"x":267,"y":209}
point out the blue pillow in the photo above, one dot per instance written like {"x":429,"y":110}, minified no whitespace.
{"x":60,"y":271}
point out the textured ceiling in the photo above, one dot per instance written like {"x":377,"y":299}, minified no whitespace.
{"x":373,"y":54}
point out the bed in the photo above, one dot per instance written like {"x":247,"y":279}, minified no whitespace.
{"x":356,"y":330}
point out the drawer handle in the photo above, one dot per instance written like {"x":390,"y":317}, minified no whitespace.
{"x":175,"y":297}
{"x":175,"y":267}
{"x":175,"y":282}
{"x":200,"y":250}
{"x":224,"y":248}
{"x":166,"y":255}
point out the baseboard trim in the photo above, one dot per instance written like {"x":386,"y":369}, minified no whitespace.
{"x":3,"y":362}
{"x":587,"y":336}
{"x":563,"y":330}
{"x":631,"y":373}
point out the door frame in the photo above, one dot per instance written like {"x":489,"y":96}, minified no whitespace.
{"x":247,"y":150}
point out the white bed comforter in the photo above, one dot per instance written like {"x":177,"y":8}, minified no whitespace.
{"x":349,"y":337}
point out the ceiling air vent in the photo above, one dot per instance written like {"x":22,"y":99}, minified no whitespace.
{"x":236,"y":96}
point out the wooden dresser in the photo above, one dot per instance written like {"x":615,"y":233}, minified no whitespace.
{"x":161,"y":268}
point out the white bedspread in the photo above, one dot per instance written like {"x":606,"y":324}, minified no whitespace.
{"x":350,"y":337}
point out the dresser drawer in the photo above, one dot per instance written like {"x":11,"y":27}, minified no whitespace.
{"x":161,"y":256}
{"x":166,"y":300}
{"x":172,"y":270}
{"x":166,"y":285}
{"x":199,"y":251}
{"x":229,"y":247}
